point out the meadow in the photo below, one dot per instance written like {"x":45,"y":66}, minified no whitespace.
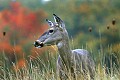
{"x":44,"y":68}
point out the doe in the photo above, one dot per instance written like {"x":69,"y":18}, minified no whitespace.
{"x":70,"y":62}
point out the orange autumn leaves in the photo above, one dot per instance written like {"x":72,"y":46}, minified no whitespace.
{"x":20,"y":26}
{"x":22,"y":18}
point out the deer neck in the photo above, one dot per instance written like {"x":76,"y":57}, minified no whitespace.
{"x":65,"y":50}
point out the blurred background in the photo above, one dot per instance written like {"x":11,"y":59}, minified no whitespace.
{"x":92,"y":24}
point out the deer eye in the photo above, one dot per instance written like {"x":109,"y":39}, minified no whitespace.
{"x":51,"y":31}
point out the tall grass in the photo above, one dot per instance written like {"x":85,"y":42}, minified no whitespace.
{"x":44,"y":68}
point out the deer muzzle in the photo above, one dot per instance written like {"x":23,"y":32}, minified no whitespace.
{"x":38,"y":44}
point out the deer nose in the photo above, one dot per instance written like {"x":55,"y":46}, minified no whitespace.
{"x":38,"y":44}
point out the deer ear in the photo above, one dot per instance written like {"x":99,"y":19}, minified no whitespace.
{"x":50,"y":23}
{"x":58,"y":21}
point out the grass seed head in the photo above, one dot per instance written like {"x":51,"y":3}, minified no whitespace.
{"x":90,"y":29}
{"x":4,"y":33}
{"x":108,"y":26}
{"x":113,"y":22}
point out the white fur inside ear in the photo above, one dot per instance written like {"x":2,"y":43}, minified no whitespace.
{"x":55,"y":19}
{"x":50,"y":23}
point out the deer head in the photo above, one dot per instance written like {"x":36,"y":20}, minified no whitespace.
{"x":53,"y":35}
